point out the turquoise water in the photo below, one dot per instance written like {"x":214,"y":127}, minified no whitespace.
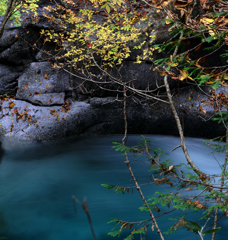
{"x":37,"y":182}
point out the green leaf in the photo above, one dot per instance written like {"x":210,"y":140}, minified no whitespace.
{"x":208,"y":39}
{"x":195,"y":225}
{"x":108,"y":8}
{"x":114,"y":234}
{"x":212,"y":231}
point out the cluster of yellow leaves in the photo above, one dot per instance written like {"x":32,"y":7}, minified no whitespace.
{"x":107,"y":36}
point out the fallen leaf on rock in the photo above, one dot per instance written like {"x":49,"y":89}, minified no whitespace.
{"x":63,"y":110}
{"x":11,"y":104}
{"x":202,"y":110}
{"x":53,"y":112}
{"x":11,"y":128}
{"x":46,"y":76}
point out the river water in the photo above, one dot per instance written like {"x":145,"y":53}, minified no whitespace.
{"x":37,"y":182}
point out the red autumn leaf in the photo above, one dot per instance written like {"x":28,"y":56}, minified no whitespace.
{"x":89,"y":45}
{"x":197,"y":49}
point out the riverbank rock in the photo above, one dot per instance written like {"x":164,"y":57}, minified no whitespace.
{"x":40,"y":84}
{"x":25,"y":121}
{"x":50,"y":103}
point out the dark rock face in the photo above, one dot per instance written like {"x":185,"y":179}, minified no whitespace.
{"x":8,"y":39}
{"x":8,"y":76}
{"x":41,"y":84}
{"x":20,"y":52}
{"x":44,"y":106}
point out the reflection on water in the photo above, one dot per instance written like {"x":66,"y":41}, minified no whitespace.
{"x":37,"y":182}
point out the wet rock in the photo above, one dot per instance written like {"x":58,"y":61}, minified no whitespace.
{"x":41,"y":84}
{"x":8,"y":78}
{"x":22,"y":51}
{"x":9,"y":38}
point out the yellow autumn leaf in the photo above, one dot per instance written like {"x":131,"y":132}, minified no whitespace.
{"x":183,"y":75}
{"x":155,"y":48}
{"x":190,"y":78}
{"x":211,"y":33}
{"x":172,"y":64}
{"x":207,"y":20}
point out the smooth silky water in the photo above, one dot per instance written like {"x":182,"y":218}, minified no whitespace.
{"x":37,"y":182}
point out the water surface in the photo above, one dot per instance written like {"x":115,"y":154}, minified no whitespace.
{"x":37,"y":182}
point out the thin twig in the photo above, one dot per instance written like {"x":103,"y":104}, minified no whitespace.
{"x":84,"y":206}
{"x":132,"y":174}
